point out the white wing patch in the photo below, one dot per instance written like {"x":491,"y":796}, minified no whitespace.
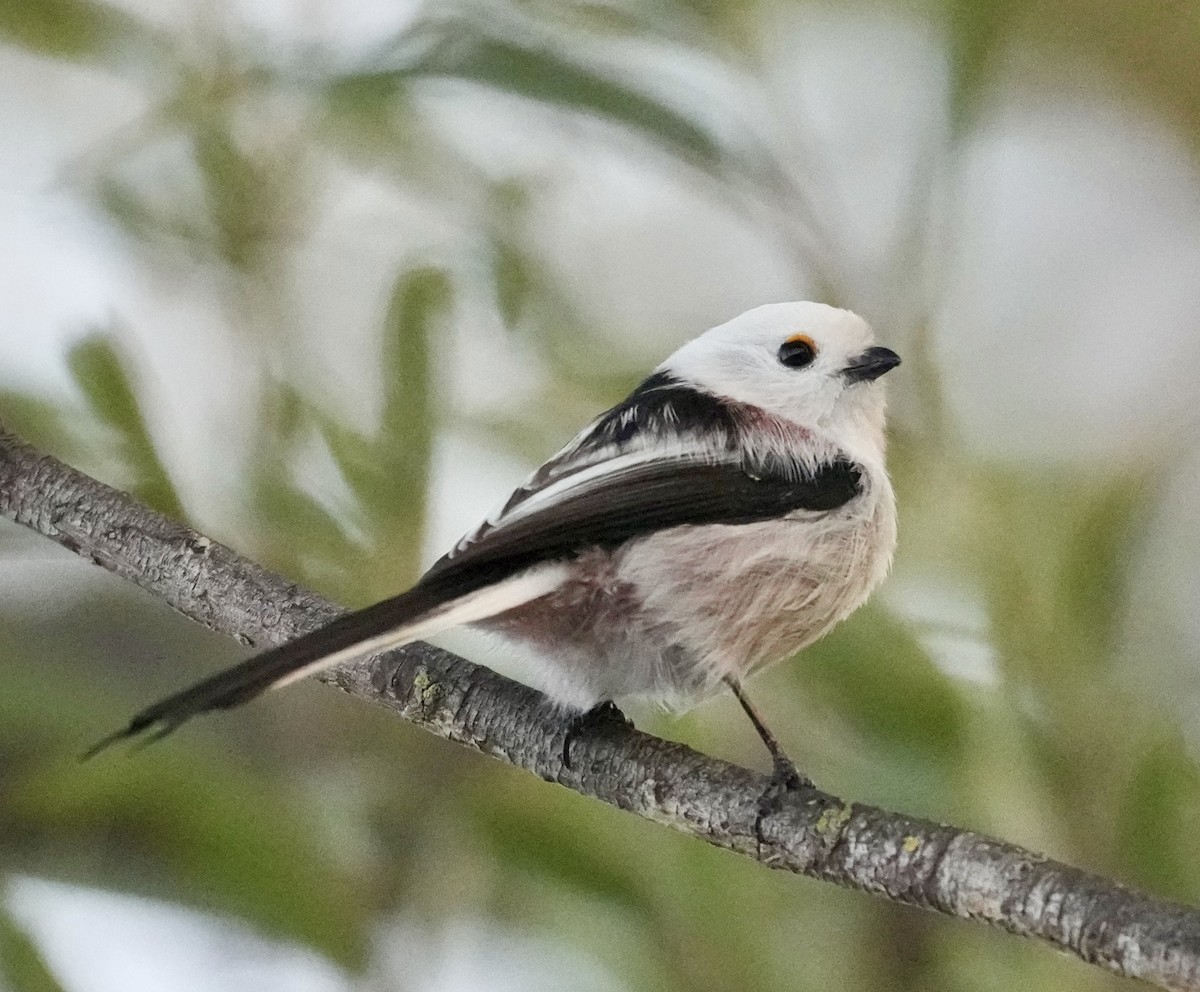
{"x":664,"y":423}
{"x":571,"y":475}
{"x":486,"y":602}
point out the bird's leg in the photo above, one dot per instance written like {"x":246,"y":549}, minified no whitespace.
{"x":785,"y":777}
{"x":601,"y":715}
{"x":785,"y":774}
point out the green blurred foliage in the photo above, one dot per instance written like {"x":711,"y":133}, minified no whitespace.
{"x":21,"y":964}
{"x":111,"y":398}
{"x":465,"y":49}
{"x":63,"y":28}
{"x":324,"y":820}
{"x":216,"y":827}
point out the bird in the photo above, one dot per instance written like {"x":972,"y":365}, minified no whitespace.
{"x":726,"y":514}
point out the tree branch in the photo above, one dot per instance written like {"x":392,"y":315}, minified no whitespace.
{"x":898,"y":858}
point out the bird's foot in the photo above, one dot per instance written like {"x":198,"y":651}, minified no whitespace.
{"x":602,"y":715}
{"x":784,"y":779}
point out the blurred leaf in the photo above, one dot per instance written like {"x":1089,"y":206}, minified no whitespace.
{"x":558,"y":856}
{"x":700,"y":22}
{"x":1099,"y":545}
{"x":547,"y":76}
{"x":225,"y":840}
{"x":315,"y":531}
{"x":977,"y":28}
{"x":22,"y":968}
{"x":356,"y":454}
{"x":296,"y":534}
{"x":242,"y":193}
{"x":187,"y":822}
{"x":100,"y":373}
{"x":719,"y":13}
{"x":63,"y":28}
{"x":514,"y":281}
{"x":129,"y":207}
{"x":1153,"y":52}
{"x":702,"y":25}
{"x":1160,"y":821}
{"x":233,"y":194}
{"x":461,"y":50}
{"x":516,"y":278}
{"x":108,"y":388}
{"x":531,"y":443}
{"x":559,"y":837}
{"x":39,"y":421}
{"x":419,"y":304}
{"x":390,"y":473}
{"x":877,"y":676}
{"x":1053,"y":551}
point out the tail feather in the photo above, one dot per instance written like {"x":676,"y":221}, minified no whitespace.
{"x":422,"y":611}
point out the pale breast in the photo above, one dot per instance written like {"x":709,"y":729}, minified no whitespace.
{"x":738,"y":598}
{"x":665,"y":617}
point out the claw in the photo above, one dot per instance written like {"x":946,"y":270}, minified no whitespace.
{"x":784,"y":779}
{"x":599,"y":716}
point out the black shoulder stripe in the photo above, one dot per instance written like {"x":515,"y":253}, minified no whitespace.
{"x":662,"y":401}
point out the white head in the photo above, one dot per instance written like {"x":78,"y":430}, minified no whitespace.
{"x":812,"y":364}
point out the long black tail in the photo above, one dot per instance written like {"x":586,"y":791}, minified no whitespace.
{"x":424,"y":610}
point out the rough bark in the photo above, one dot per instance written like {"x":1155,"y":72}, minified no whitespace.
{"x":899,"y":858}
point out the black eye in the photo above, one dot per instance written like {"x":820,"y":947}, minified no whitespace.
{"x":797,"y":352}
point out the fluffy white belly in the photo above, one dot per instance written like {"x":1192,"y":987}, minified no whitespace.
{"x":666,"y":617}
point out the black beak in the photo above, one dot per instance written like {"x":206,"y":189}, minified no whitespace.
{"x":871,"y":364}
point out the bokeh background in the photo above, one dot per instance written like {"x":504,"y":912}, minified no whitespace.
{"x":324,"y":279}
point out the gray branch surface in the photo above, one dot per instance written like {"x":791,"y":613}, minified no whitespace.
{"x":896,"y":857}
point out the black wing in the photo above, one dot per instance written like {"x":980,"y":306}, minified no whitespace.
{"x":659,"y":409}
{"x":669,"y":455}
{"x":629,"y":501}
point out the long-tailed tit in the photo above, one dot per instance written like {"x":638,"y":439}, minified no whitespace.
{"x":727,"y":513}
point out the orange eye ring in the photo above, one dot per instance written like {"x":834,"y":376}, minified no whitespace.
{"x":798,"y":351}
